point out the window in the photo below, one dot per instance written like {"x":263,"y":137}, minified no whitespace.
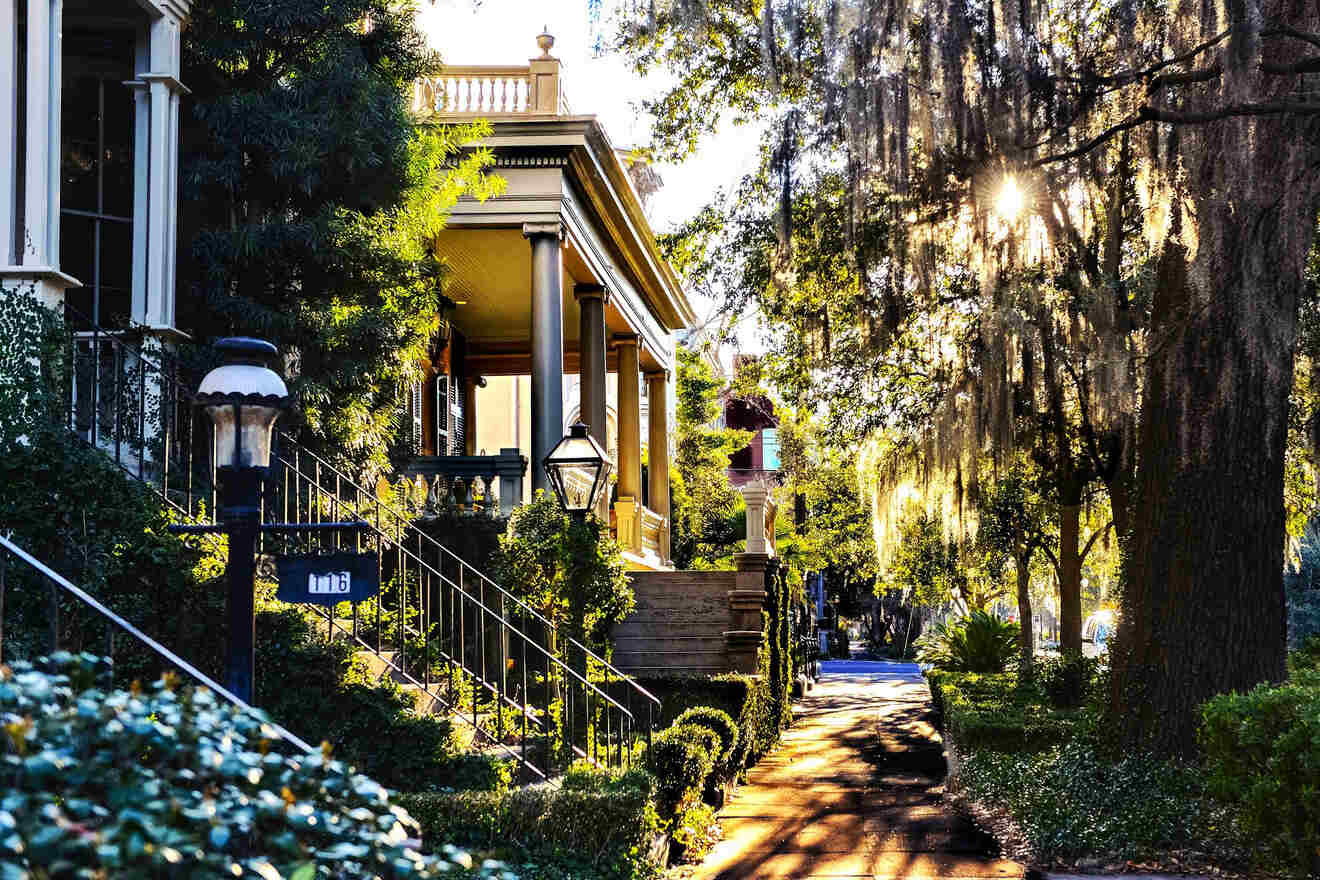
{"x":96,"y":174}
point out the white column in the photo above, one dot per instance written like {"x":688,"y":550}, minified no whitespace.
{"x":156,"y":176}
{"x":31,"y":248}
{"x":657,"y":445}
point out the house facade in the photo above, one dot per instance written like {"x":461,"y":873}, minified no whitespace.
{"x":563,"y":308}
{"x":90,"y":128}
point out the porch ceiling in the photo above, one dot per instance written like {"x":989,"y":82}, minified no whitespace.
{"x":489,"y":276}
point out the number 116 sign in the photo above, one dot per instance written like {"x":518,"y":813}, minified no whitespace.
{"x":328,"y":580}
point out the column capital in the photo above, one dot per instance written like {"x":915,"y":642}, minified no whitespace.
{"x":533,"y":230}
{"x":625,"y":340}
{"x":591,"y":291}
{"x":656,"y":375}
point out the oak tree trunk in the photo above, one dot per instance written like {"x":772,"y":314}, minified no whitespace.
{"x":1203,"y":601}
{"x":1026,"y":639}
{"x":1070,"y":580}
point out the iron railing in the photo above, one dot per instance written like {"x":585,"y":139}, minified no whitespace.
{"x":118,"y":624}
{"x":459,"y":641}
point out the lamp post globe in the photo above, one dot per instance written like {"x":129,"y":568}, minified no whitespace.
{"x":244,"y":398}
{"x":578,"y":469}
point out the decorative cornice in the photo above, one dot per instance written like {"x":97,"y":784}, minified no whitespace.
{"x":50,"y":274}
{"x":503,"y":160}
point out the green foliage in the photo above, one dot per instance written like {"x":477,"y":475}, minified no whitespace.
{"x":33,"y":351}
{"x":311,"y":201}
{"x":704,"y":527}
{"x":998,"y":712}
{"x":598,"y":825}
{"x":315,"y":687}
{"x":681,"y":759}
{"x":979,"y":642}
{"x":68,"y":505}
{"x":695,"y":831}
{"x":1069,"y":802}
{"x":722,"y":725}
{"x":1301,"y":580}
{"x":113,"y":783}
{"x":1262,"y":750}
{"x":924,"y":564}
{"x":568,"y":570}
{"x":742,"y":697}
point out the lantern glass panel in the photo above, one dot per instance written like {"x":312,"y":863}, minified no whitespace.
{"x":255,"y":426}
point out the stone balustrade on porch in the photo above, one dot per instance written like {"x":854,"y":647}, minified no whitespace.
{"x":495,"y":90}
{"x":490,"y":484}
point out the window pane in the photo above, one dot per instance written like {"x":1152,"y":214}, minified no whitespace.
{"x":78,"y":153}
{"x":118,"y":154}
{"x":116,"y":272}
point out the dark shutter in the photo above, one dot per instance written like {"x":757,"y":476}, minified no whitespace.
{"x":415,"y":414}
{"x":460,"y":417}
{"x":442,"y":415}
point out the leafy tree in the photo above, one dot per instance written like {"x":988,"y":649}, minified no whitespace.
{"x":569,"y":570}
{"x":1148,"y":169}
{"x":1013,"y":526}
{"x":930,"y":566}
{"x":704,"y":508}
{"x":311,"y":199}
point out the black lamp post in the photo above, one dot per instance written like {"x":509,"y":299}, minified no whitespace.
{"x":243,"y":398}
{"x":578,"y":470}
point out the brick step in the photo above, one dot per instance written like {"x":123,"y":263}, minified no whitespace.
{"x":668,"y":606}
{"x":676,"y":670}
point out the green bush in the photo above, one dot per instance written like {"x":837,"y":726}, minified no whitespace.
{"x":719,"y":722}
{"x":598,"y":824}
{"x":979,"y":642}
{"x":164,"y":781}
{"x":744,"y":698}
{"x":1069,"y":802}
{"x":680,"y":758}
{"x":1263,"y":752}
{"x":996,"y":711}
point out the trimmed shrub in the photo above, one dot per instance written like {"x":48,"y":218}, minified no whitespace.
{"x":719,"y":722}
{"x":598,"y":824}
{"x":1263,"y":752}
{"x":997,"y":712}
{"x":744,"y":698}
{"x":1069,"y":802}
{"x":979,"y":642}
{"x":681,"y":759}
{"x":166,"y":780}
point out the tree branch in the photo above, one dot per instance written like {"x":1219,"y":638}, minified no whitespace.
{"x":1054,"y":560}
{"x":1091,"y":542}
{"x":1181,"y":79}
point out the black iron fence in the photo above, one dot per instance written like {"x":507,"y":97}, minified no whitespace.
{"x":464,"y":645}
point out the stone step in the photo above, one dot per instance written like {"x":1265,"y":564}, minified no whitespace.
{"x":684,"y":659}
{"x":647,"y":629}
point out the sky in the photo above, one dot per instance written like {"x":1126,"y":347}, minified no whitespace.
{"x":504,"y":32}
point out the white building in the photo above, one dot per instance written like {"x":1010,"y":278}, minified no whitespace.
{"x":89,"y":119}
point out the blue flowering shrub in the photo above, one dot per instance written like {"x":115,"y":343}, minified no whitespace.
{"x":168,"y":781}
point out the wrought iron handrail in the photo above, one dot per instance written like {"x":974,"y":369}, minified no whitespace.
{"x":405,"y":522}
{"x":90,"y":601}
{"x":141,"y":414}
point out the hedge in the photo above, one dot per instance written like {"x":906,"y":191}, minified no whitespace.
{"x":1262,"y":750}
{"x":680,"y":757}
{"x":995,"y":711}
{"x":719,"y":722}
{"x":745,"y":698}
{"x":167,"y":780}
{"x":596,"y":822}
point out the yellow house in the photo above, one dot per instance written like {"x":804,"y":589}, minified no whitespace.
{"x":557,"y":285}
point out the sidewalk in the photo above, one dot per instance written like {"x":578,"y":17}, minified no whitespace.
{"x":853,"y":791}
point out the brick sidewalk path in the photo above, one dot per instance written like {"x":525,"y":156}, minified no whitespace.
{"x":853,"y":791}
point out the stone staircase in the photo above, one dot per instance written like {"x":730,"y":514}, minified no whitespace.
{"x":692,"y":622}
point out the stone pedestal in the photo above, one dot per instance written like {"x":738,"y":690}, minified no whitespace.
{"x":743,"y":639}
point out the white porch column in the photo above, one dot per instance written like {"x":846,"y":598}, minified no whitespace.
{"x":30,"y":49}
{"x":657,"y":451}
{"x":547,"y":345}
{"x":156,"y":175}
{"x":627,"y":509}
